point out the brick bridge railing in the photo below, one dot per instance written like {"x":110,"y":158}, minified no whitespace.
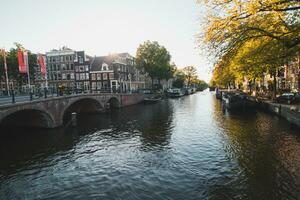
{"x":54,"y":112}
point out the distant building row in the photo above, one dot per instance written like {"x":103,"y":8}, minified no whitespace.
{"x":76,"y":70}
{"x":288,"y":78}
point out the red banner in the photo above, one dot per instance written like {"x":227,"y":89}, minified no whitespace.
{"x":22,"y":59}
{"x":42,"y":63}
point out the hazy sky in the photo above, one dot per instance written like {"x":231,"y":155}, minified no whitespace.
{"x":105,"y":26}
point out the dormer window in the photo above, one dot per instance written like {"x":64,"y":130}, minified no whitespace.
{"x":104,"y":67}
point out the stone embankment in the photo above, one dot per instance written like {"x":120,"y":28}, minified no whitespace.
{"x":289,"y":112}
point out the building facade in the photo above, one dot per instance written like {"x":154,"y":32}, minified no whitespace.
{"x":115,"y":73}
{"x":82,"y":70}
{"x":292,"y":75}
{"x":60,"y":68}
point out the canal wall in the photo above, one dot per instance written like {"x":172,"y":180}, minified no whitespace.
{"x":131,"y":99}
{"x":289,"y":112}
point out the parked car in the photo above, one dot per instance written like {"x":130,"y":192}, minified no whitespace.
{"x":297,"y":97}
{"x":286,"y":98}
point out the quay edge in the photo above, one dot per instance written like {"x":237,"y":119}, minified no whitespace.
{"x":289,"y":112}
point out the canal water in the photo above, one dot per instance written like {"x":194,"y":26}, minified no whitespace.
{"x":184,"y":148}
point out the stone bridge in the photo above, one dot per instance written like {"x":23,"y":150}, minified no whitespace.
{"x":54,"y":112}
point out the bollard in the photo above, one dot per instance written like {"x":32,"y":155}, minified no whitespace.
{"x":74,"y":118}
{"x":13,"y":96}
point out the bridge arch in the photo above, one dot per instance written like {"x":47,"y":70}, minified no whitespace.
{"x":113,"y":103}
{"x":30,"y":117}
{"x":79,"y":106}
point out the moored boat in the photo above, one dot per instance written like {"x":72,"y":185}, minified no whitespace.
{"x":236,"y":101}
{"x":152,"y":99}
{"x":151,"y":96}
{"x":175,"y":93}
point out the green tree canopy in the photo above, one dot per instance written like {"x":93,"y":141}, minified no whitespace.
{"x":154,"y":59}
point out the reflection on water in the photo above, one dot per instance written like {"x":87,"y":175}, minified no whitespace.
{"x":183,"y":148}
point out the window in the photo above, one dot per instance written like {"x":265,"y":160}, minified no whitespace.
{"x":93,"y":85}
{"x":77,"y":77}
{"x":81,"y":68}
{"x":87,"y":76}
{"x":93,"y":76}
{"x":63,"y":66}
{"x":86,"y":85}
{"x":80,"y":60}
{"x":72,"y":66}
{"x":111,"y":76}
{"x":86,"y":68}
{"x":79,"y":86}
{"x":68,"y":77}
{"x":82,"y":76}
{"x":99,"y":86}
{"x":63,"y":76}
{"x":72,"y":76}
{"x":104,"y":76}
{"x":98,"y":76}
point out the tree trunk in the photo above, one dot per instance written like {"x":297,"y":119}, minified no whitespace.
{"x":254,"y":80}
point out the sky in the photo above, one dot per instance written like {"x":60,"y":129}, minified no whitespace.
{"x":101,"y":27}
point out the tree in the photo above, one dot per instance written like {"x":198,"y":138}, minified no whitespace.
{"x":250,"y":38}
{"x":154,"y":59}
{"x":231,"y":23}
{"x":190,"y":74}
{"x":200,"y":85}
{"x":179,"y":78}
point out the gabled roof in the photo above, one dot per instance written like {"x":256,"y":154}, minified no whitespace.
{"x":96,"y":62}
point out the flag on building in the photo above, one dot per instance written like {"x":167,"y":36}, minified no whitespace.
{"x":42,"y":64}
{"x":23,"y":61}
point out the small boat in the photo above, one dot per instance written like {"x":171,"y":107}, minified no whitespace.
{"x":188,"y":91}
{"x":151,"y":96}
{"x":236,"y":101}
{"x":152,"y":99}
{"x":175,"y":92}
